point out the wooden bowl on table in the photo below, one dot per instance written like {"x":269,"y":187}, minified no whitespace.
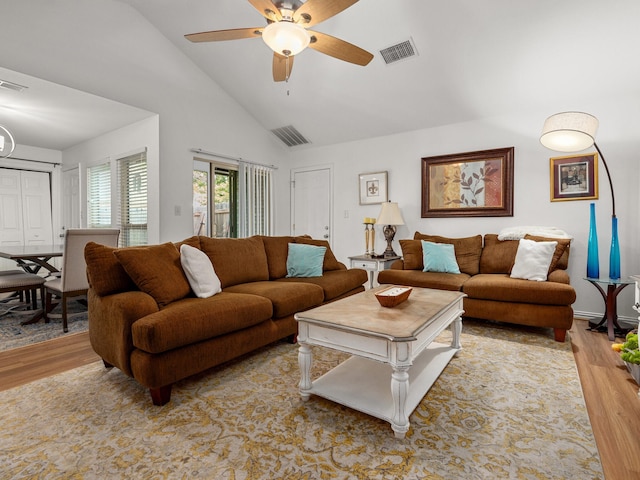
{"x":393,"y":296}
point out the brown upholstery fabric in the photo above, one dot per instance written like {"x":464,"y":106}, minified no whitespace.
{"x":330,"y":261}
{"x":105,"y":273}
{"x":191,"y":241}
{"x":287,"y":297}
{"x":277,"y":249}
{"x":498,"y":256}
{"x":561,"y":255}
{"x":551,"y":316}
{"x":412,"y":254}
{"x":418,"y":278}
{"x":501,"y":287}
{"x":334,"y":283}
{"x":237,"y":260}
{"x":467,"y":250}
{"x":167,"y":329}
{"x":156,"y":270}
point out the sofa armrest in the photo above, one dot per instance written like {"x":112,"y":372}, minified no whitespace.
{"x":110,"y":320}
{"x":559,"y":276}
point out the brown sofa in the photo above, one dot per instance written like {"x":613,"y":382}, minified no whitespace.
{"x":484,"y":277}
{"x":145,"y":319}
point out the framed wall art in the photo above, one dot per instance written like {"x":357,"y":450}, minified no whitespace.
{"x":373,"y":188}
{"x":472,"y":184}
{"x":574,"y":177}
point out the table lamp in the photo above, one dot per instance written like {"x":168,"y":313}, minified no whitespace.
{"x":390,"y":216}
{"x":573,"y":132}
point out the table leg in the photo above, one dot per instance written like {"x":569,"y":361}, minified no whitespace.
{"x":611,"y":310}
{"x":305,"y":359}
{"x":400,"y":392}
{"x":456,"y":330}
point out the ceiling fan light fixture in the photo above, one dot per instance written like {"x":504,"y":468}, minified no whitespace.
{"x":286,"y":38}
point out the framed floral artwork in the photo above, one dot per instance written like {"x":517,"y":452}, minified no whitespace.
{"x":373,"y":188}
{"x":471,"y":184}
{"x":574,"y":177}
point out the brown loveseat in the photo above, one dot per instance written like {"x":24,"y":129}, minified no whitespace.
{"x":484,"y":277}
{"x":145,"y":319}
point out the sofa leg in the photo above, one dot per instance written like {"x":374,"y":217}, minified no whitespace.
{"x":560,"y":334}
{"x":293,"y":338}
{"x":106,"y":364}
{"x":160,"y":395}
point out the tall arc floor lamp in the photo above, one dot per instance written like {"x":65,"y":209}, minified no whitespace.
{"x":573,"y":132}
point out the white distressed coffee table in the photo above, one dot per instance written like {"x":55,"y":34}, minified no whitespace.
{"x":386,"y":344}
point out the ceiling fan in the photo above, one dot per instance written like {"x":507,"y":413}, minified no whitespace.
{"x":287,"y":35}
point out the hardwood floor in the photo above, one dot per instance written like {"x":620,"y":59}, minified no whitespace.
{"x":611,"y":394}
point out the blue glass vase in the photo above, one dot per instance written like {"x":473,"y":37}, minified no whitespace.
{"x":614,"y":253}
{"x":593,"y":263}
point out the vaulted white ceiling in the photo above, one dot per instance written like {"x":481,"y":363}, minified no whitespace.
{"x":475,"y":59}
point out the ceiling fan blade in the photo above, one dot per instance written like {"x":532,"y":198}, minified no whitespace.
{"x":339,"y":49}
{"x":220,"y":35}
{"x":316,"y":11}
{"x":267,"y":9}
{"x":282,"y":67}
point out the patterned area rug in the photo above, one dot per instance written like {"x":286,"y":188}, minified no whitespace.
{"x":14,"y":335}
{"x":509,"y":406}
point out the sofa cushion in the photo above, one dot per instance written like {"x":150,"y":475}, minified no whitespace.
{"x":439,"y":257}
{"x":199,"y":271}
{"x":501,"y":287}
{"x":156,"y":270}
{"x":533,"y":260}
{"x":276,"y":249}
{"x":193,"y":241}
{"x":418,"y":278}
{"x":468,"y":250}
{"x":193,"y":320}
{"x":287,"y":298}
{"x":561,"y":255}
{"x":105,"y":273}
{"x":237,"y":260}
{"x":330,"y":261}
{"x":335,"y":283}
{"x":498,"y":255}
{"x":305,"y":260}
{"x":412,"y":254}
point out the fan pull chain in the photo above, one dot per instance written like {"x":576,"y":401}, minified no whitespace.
{"x":286,"y":78}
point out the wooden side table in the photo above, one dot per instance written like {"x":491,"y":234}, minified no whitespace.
{"x":611,"y":305}
{"x":372,"y":264}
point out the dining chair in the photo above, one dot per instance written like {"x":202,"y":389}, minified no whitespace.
{"x":20,"y":283}
{"x":72,"y":281}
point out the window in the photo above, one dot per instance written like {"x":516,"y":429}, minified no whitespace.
{"x":215,"y":198}
{"x":132,"y":193}
{"x":128,"y":196}
{"x":99,"y":196}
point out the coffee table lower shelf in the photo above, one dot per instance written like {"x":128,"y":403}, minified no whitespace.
{"x":365,"y":385}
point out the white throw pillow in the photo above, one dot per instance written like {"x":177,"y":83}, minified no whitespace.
{"x":533,"y":260}
{"x":199,"y":271}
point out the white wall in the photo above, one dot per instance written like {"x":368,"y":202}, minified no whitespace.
{"x":107,"y":48}
{"x":401,"y":155}
{"x":144,"y":133}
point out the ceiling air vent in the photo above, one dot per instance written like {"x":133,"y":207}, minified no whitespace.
{"x":11,"y":86}
{"x":290,"y":136}
{"x":400,"y":51}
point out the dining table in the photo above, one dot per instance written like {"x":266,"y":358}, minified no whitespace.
{"x":32,"y":258}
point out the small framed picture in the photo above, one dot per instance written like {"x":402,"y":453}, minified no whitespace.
{"x":574,"y":177}
{"x":373,"y":188}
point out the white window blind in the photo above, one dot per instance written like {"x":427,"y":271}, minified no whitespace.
{"x":255,"y":199}
{"x":132,"y":188}
{"x":99,"y":196}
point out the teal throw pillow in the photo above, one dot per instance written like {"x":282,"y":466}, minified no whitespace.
{"x":305,"y":260}
{"x":439,"y":257}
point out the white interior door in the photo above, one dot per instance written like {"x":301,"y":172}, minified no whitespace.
{"x":71,"y":212}
{"x":36,"y":208}
{"x":11,"y":232}
{"x":311,"y":206}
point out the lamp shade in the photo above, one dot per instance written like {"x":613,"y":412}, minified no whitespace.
{"x":7,"y":143}
{"x":286,"y":38}
{"x":390,"y":214}
{"x":569,"y":131}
